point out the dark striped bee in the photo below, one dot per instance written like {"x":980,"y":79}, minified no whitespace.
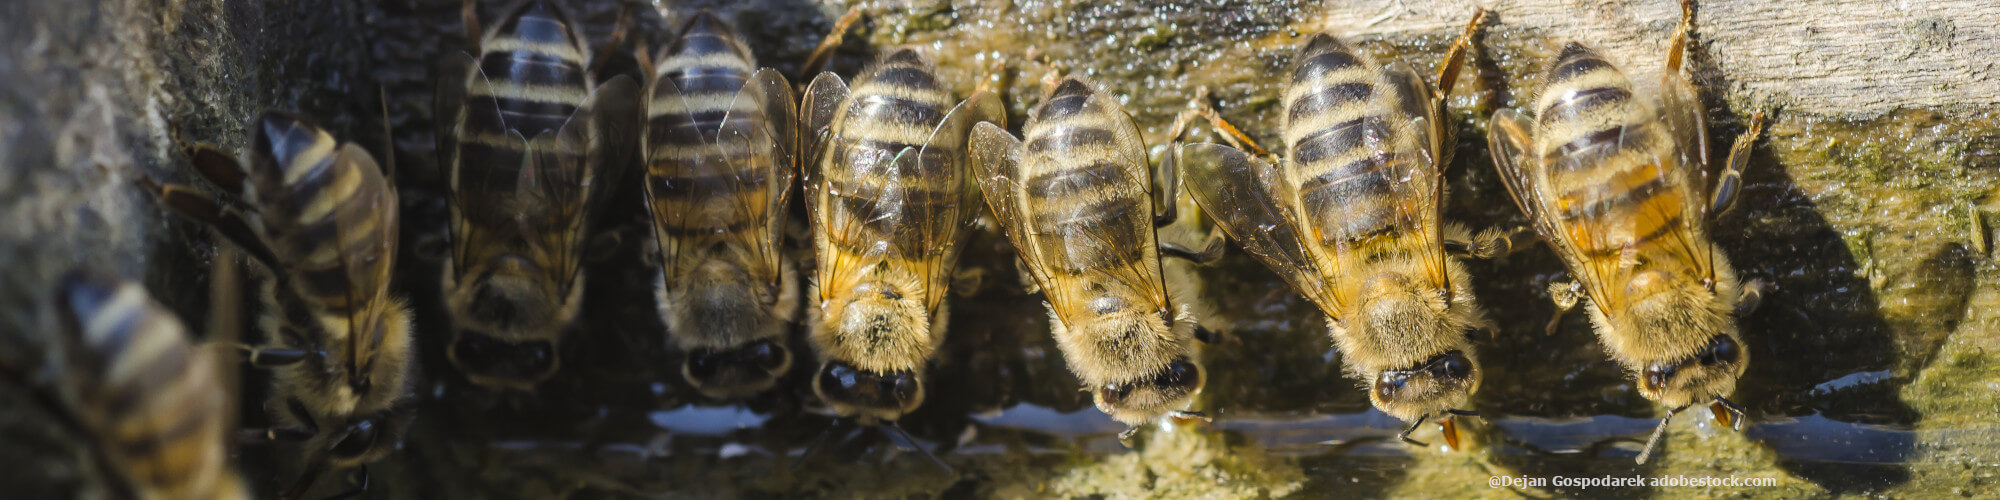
{"x":322,"y":221}
{"x":1619,"y":183}
{"x":1078,"y":203}
{"x":124,"y":377}
{"x":530,"y":150}
{"x":720,"y":144}
{"x":890,"y":200}
{"x":1351,"y":218}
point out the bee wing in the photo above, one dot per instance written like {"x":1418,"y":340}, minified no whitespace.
{"x":482,"y":178}
{"x":823,"y":98}
{"x":1681,"y":111}
{"x":1420,"y":193}
{"x":567,"y":173}
{"x":943,"y":224}
{"x":996,"y":163}
{"x":699,"y":188}
{"x":1254,"y":207}
{"x":367,"y":252}
{"x":1512,"y":138}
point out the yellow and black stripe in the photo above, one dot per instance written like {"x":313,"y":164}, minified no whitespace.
{"x":326,"y":212}
{"x":156,"y":406}
{"x":1348,"y":153}
{"x":1597,"y":139}
{"x":695,"y":177}
{"x":1087,"y":188}
{"x":896,"y":105}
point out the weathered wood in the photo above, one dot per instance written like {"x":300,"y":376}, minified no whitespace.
{"x":1853,"y":59}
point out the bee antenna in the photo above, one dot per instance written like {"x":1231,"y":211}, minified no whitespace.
{"x":1654,"y":443}
{"x":814,"y":447}
{"x":898,"y":430}
{"x":1405,"y":435}
{"x":315,"y":464}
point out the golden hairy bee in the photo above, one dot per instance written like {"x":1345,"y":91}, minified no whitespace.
{"x":720,"y":142}
{"x":1618,"y":182}
{"x":1077,"y":200}
{"x":123,"y":376}
{"x":1350,"y":217}
{"x":530,"y":144}
{"x":321,"y":219}
{"x":890,"y":201}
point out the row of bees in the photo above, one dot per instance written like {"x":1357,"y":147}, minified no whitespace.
{"x":895,"y":172}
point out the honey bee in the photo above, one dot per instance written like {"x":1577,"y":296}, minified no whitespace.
{"x":123,"y":376}
{"x":1078,"y":203}
{"x":323,"y":225}
{"x":720,"y":143}
{"x":890,"y":199}
{"x":1350,"y":217}
{"x":1610,"y":177}
{"x":531,"y":144}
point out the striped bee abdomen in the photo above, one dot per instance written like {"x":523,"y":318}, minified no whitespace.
{"x":702,"y":183}
{"x":892,"y":168}
{"x":326,"y":212}
{"x":536,"y":67}
{"x":1605,"y":149}
{"x":156,"y":403}
{"x":1348,"y":144}
{"x":1077,"y":171}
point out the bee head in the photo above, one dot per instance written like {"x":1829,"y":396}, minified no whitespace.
{"x":1136,"y":401}
{"x":868,"y":396}
{"x":1709,"y":373}
{"x":1442,"y":383}
{"x":492,"y":362}
{"x":737,"y":372}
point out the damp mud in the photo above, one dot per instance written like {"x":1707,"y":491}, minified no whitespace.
{"x":1875,"y":361}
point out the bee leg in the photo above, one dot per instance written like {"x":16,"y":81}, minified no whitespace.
{"x":1448,"y":72}
{"x":603,"y":245}
{"x":967,"y":281}
{"x":1750,"y":295}
{"x":1730,"y":180}
{"x":468,"y":13}
{"x":1489,"y":244}
{"x":1028,"y":284}
{"x":1207,"y":336}
{"x":1565,"y":294}
{"x":271,"y":357}
{"x":1209,"y":253}
{"x":359,"y":489}
{"x":618,"y":35}
{"x":1405,"y":435}
{"x":1678,"y":45}
{"x":185,"y":200}
{"x":824,"y":52}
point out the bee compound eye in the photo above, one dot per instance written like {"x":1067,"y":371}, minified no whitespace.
{"x":1456,"y":366}
{"x":766,"y":355}
{"x":1659,"y":374}
{"x":1721,"y":350}
{"x":1115,"y":394}
{"x":905,"y":387}
{"x":1179,"y":374}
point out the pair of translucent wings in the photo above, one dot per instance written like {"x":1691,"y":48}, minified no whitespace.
{"x":1260,"y":204}
{"x":1682,"y":168}
{"x":750,"y":160}
{"x":888,"y":216}
{"x":537,"y":191}
{"x":365,"y":235}
{"x":997,"y":159}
